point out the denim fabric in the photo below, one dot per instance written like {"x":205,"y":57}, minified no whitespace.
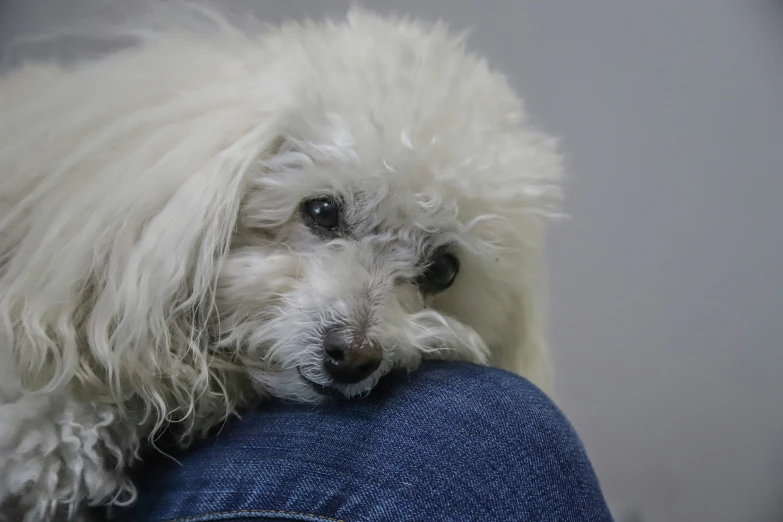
{"x":451,"y":441}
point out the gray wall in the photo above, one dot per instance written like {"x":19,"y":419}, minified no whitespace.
{"x":667,"y":305}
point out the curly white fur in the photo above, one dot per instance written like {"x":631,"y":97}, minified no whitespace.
{"x":156,"y":269}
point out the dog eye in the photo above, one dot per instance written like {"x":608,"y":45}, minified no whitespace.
{"x":324,"y":213}
{"x":440,"y":272}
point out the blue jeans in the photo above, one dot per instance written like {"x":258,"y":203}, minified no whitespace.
{"x":451,"y":441}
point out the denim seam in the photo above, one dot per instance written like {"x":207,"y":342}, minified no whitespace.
{"x":254,"y":512}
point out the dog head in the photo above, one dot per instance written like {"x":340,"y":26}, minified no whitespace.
{"x":394,"y":218}
{"x":310,"y":208}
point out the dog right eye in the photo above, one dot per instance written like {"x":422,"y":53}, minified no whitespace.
{"x":323,"y":213}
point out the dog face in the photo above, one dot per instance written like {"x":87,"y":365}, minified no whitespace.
{"x":351,"y":283}
{"x":347,"y":265}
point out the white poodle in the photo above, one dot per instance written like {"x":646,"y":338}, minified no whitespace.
{"x":225,"y":211}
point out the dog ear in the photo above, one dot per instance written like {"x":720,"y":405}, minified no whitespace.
{"x":528,"y":354}
{"x":157,"y":302}
{"x":523,"y":350}
{"x":111,"y":257}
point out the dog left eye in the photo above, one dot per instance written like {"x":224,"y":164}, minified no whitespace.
{"x":323,"y":213}
{"x":440,"y":273}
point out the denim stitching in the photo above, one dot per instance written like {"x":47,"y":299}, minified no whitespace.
{"x":254,"y":511}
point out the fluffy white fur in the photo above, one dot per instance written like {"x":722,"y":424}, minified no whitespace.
{"x":156,"y":270}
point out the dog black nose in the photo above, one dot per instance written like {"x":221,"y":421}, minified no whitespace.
{"x":349,"y":360}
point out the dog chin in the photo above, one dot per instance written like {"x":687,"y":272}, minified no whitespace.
{"x":326,"y":388}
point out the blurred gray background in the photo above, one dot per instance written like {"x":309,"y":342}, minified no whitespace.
{"x":667,"y":292}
